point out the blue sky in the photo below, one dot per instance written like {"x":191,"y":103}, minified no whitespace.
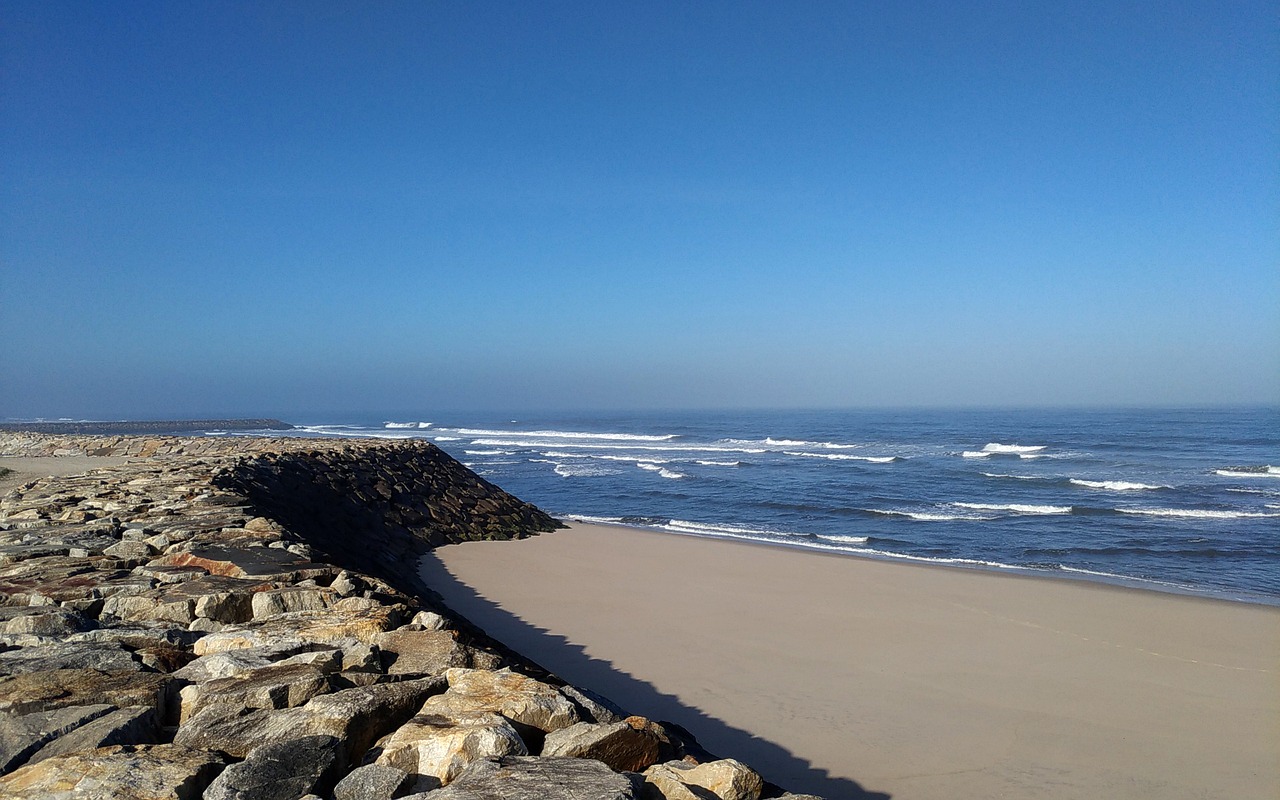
{"x":244,"y":208}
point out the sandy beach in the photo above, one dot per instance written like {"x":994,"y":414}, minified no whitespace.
{"x":855,"y":678}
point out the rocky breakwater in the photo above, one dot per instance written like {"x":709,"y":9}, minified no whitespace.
{"x":239,"y":618}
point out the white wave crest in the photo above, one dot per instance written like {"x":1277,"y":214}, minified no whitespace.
{"x":583,"y":470}
{"x":487,"y":452}
{"x":840,"y":537}
{"x":447,"y":438}
{"x":1261,"y":472}
{"x":803,"y":443}
{"x":418,"y":425}
{"x":1196,"y":513}
{"x":1013,"y":477}
{"x":974,"y":454}
{"x":631,"y":448}
{"x":719,"y":463}
{"x":615,"y":437}
{"x":1016,"y":508}
{"x":842,"y":457}
{"x":658,"y":468}
{"x":996,"y":447}
{"x":706,"y":529}
{"x":1115,"y":486}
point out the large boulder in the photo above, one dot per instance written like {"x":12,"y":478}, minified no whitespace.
{"x":340,"y":623}
{"x":108,"y":657}
{"x":726,"y":779}
{"x":272,"y":686}
{"x":374,"y":782}
{"x":521,"y":699}
{"x":124,"y":726}
{"x":625,"y":746}
{"x":148,"y":772}
{"x":22,"y":736}
{"x":527,"y":778}
{"x":437,"y":748}
{"x":409,"y":652}
{"x":59,"y":688}
{"x":281,"y":771}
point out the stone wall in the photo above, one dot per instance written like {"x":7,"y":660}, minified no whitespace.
{"x":234,"y":618}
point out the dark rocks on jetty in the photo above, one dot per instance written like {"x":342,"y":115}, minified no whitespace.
{"x":242,"y":618}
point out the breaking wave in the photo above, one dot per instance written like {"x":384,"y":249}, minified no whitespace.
{"x":1115,"y":486}
{"x":842,"y":457}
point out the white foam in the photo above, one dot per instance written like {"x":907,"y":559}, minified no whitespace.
{"x":418,"y":425}
{"x":996,"y":447}
{"x":620,"y":437}
{"x":719,"y":463}
{"x":705,"y":529}
{"x":447,"y":438}
{"x":661,"y":470}
{"x":974,"y":454}
{"x":687,"y":448}
{"x":839,"y":537}
{"x":1196,"y":513}
{"x":487,"y":452}
{"x":1268,"y":472}
{"x":931,"y":516}
{"x":1116,"y":486}
{"x":803,"y":443}
{"x":842,"y":457}
{"x":1016,"y":508}
{"x":581,"y":470}
{"x":1013,"y":477}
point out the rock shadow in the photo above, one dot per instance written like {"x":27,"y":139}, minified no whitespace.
{"x":570,"y":662}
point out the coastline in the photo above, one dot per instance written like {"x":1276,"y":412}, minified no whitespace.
{"x":914,"y":679}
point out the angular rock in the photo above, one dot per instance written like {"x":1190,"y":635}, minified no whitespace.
{"x":374,"y":782}
{"x":275,"y":602}
{"x":528,"y":778}
{"x":624,"y":747}
{"x":22,"y":736}
{"x":357,"y":717}
{"x":54,"y":622}
{"x":272,"y":686}
{"x":45,"y":691}
{"x":518,"y":698}
{"x":407,"y":652}
{"x":592,"y":707}
{"x":148,"y":772}
{"x":281,"y":771}
{"x":726,"y":779}
{"x":332,"y":625}
{"x":59,"y":656}
{"x":124,"y":726}
{"x":437,"y":748}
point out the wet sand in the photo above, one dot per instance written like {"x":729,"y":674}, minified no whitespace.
{"x":848,"y":677}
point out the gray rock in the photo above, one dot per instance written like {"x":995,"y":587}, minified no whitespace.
{"x":145,"y":772}
{"x":594,"y":708}
{"x":529,"y":778}
{"x":437,"y":749}
{"x":60,"y":655}
{"x":624,"y":747}
{"x":280,"y":771}
{"x":48,"y":623}
{"x":272,"y":686}
{"x":373,"y":782}
{"x":23,"y":736}
{"x":408,"y":652}
{"x":135,"y":725}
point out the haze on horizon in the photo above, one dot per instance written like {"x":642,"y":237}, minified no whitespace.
{"x":254,"y":208}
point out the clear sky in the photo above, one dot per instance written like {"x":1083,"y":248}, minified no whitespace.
{"x":264,"y":207}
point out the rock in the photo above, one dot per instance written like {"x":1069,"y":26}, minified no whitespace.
{"x":45,"y":691}
{"x":373,"y":782}
{"x":520,"y":699}
{"x":225,"y":607}
{"x":147,"y":772}
{"x":357,"y":717}
{"x":592,"y":707}
{"x":726,"y":779}
{"x":273,"y":686}
{"x":294,"y":598}
{"x":437,"y":748}
{"x":22,"y":736}
{"x":430,"y":621}
{"x":61,"y":656}
{"x":528,"y":778}
{"x":624,"y":747}
{"x":48,"y":623}
{"x":407,"y":652}
{"x":130,"y":551}
{"x":281,"y":771}
{"x":133,"y":608}
{"x":125,"y":726}
{"x":332,"y":625}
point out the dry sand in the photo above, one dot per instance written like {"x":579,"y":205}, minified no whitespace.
{"x":27,"y":469}
{"x":855,"y":678}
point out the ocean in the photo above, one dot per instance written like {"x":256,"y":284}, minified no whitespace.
{"x":1173,"y":500}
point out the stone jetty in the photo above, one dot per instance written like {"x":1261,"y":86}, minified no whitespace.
{"x":242,"y":617}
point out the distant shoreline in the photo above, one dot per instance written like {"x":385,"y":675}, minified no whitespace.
{"x":130,"y":427}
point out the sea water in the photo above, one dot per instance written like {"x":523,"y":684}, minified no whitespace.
{"x":1178,"y":500}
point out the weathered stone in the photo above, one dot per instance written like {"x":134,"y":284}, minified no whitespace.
{"x":125,"y":726}
{"x":148,"y":606}
{"x":227,"y":607}
{"x":107,"y":657}
{"x":45,"y":691}
{"x":23,"y":736}
{"x":293,"y":598}
{"x":518,"y":698}
{"x":332,"y":625}
{"x":726,"y":779}
{"x":624,"y":747}
{"x":280,"y":771}
{"x":374,"y":782}
{"x":235,"y":662}
{"x":430,"y":621}
{"x":147,"y":772}
{"x":357,"y":717}
{"x":130,"y":550}
{"x":528,"y":778}
{"x":592,"y":707}
{"x":58,"y":622}
{"x":437,"y":748}
{"x":273,"y":686}
{"x":407,"y":652}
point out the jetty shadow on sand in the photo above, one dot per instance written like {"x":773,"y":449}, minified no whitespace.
{"x":570,"y":662}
